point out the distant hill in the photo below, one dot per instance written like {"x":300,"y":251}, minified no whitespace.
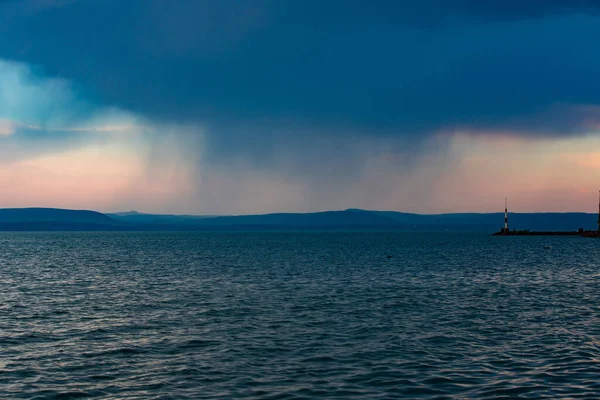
{"x":353,"y":219}
{"x":320,"y":219}
{"x":135,"y":217}
{"x":533,"y":221}
{"x":366,"y":219}
{"x":54,"y":219}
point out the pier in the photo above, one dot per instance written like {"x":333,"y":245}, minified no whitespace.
{"x":527,"y":232}
{"x":505,"y":231}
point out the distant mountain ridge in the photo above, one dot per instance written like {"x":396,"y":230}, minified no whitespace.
{"x":38,"y":218}
{"x":59,"y":219}
{"x":52,"y":214}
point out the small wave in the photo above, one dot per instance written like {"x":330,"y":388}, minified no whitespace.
{"x":125,"y":351}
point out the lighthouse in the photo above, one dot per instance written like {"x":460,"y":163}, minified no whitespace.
{"x":506,"y":216}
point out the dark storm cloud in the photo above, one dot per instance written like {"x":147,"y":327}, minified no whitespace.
{"x":369,"y":68}
{"x":430,"y":12}
{"x":497,"y":9}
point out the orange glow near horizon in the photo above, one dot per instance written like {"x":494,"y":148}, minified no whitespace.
{"x":542,"y":175}
{"x":95,"y":177}
{"x":473,"y":174}
{"x":85,"y":178}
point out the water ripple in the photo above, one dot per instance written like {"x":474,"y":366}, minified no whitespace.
{"x":297,"y":316}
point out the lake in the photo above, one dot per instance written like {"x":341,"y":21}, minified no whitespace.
{"x":298,"y":316}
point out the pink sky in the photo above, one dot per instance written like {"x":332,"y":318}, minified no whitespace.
{"x":476,"y":173}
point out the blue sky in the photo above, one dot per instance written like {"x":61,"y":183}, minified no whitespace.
{"x":254,"y":106}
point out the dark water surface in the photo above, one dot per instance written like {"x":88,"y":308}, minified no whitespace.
{"x":298,"y":315}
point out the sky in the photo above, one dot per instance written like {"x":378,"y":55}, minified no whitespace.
{"x":256,"y":106}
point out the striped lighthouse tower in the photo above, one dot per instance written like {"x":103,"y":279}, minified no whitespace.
{"x":506,"y":216}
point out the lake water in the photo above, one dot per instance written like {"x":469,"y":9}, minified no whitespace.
{"x":298,"y":316}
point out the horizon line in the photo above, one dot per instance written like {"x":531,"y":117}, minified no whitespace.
{"x":292,"y":212}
